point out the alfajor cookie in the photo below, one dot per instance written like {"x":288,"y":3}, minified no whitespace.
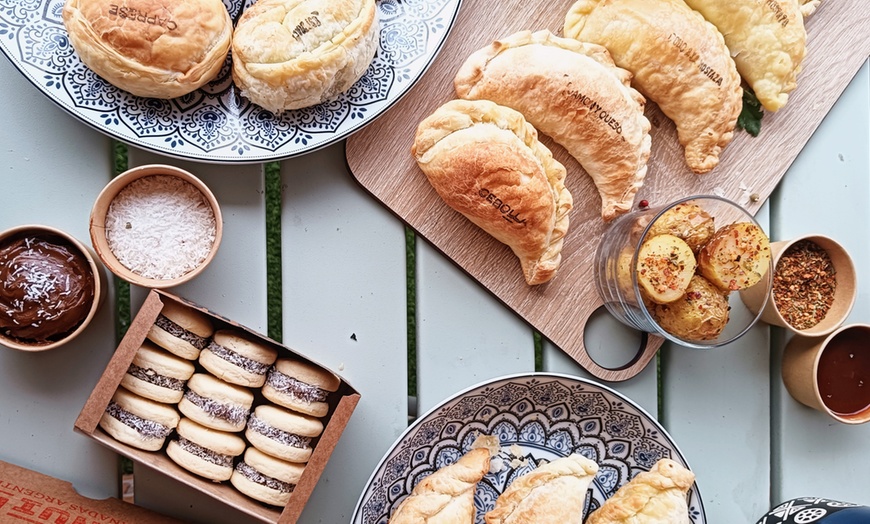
{"x":238,"y":358}
{"x":282,"y":433}
{"x":216,"y":404}
{"x":138,"y":421}
{"x":203,"y":451}
{"x":266,"y":478}
{"x":300,"y":386}
{"x":157,"y":375}
{"x":181,"y":330}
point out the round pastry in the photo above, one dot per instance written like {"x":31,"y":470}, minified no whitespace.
{"x":238,"y":358}
{"x":300,"y":386}
{"x":157,"y":374}
{"x":294,"y":54}
{"x":266,"y":478}
{"x":137,"y":421}
{"x":205,"y":452}
{"x":181,"y":330}
{"x":151,"y":48}
{"x":281,"y":433}
{"x":216,"y":404}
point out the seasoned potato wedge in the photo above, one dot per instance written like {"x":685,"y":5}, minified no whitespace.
{"x":700,"y":314}
{"x":737,"y":257}
{"x":665,"y":265}
{"x":686,"y":221}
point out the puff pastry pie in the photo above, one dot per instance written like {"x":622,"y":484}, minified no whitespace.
{"x":553,"y":493}
{"x":446,"y":496}
{"x":767,"y":40}
{"x":574,"y":93}
{"x":485,"y":161}
{"x":679,"y":61}
{"x":151,"y":48}
{"x":290,"y":54}
{"x":657,"y":496}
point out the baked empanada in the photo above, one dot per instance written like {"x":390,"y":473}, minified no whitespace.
{"x":657,"y":496}
{"x":290,"y":54}
{"x":679,"y":61}
{"x":553,"y":493}
{"x":485,"y":161}
{"x":767,"y":40}
{"x":574,"y":93}
{"x":446,"y":496}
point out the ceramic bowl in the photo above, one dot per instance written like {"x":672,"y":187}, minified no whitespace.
{"x":35,"y":289}
{"x":136,"y":231}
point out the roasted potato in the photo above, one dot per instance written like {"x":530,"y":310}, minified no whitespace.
{"x":687,"y":221}
{"x":700,"y":314}
{"x":737,"y":257}
{"x":665,"y":265}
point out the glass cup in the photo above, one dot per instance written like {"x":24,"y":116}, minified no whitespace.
{"x":617,"y":281}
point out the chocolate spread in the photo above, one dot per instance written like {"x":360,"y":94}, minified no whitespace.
{"x":279,"y":435}
{"x":301,"y":390}
{"x":46,"y":288}
{"x":255,"y":476}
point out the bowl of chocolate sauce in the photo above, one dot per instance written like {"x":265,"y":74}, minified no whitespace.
{"x":50,"y":287}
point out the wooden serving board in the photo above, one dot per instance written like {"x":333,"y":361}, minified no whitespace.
{"x":379,"y":158}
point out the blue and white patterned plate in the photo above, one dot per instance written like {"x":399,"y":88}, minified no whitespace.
{"x":537,"y":417}
{"x":215,"y":124}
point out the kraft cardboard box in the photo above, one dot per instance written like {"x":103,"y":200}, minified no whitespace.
{"x":342,"y":404}
{"x":28,"y":496}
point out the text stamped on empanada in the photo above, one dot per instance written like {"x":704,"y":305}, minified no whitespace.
{"x":132,"y":13}
{"x":505,"y":209}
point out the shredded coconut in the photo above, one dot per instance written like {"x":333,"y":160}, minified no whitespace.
{"x":160,"y":227}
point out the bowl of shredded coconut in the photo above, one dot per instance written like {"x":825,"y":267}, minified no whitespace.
{"x":156,"y":226}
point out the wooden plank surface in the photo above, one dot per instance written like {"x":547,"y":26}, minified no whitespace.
{"x":379,"y":157}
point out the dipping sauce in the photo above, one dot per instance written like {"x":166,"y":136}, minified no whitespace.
{"x":844,"y":372}
{"x":46,"y":288}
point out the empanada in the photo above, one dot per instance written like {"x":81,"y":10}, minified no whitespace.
{"x":446,"y":496}
{"x":767,"y":40}
{"x":574,"y":93}
{"x":553,"y":493}
{"x":485,"y":161}
{"x":290,"y":54}
{"x":657,"y":496}
{"x":679,"y":61}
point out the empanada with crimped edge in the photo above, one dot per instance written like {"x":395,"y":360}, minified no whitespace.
{"x":446,"y":496}
{"x":767,"y":40}
{"x":291,"y":54}
{"x":652,"y":497}
{"x":553,"y":493}
{"x":679,"y":61}
{"x":485,"y":161}
{"x":573,"y":92}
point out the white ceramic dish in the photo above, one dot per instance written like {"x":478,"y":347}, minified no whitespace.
{"x":543,"y":416}
{"x":214,"y":123}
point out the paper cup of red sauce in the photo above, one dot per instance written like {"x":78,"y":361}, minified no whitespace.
{"x":831,"y":374}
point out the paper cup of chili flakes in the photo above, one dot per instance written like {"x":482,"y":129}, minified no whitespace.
{"x":814,"y":286}
{"x":156,"y":226}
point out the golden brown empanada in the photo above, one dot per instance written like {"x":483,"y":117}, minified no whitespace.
{"x":290,"y":54}
{"x":679,"y":61}
{"x":553,"y":493}
{"x":767,"y":40}
{"x":485,"y":161}
{"x":657,"y":496}
{"x":446,"y":496}
{"x":574,"y":93}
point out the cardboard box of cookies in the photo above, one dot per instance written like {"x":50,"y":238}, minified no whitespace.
{"x":219,"y":407}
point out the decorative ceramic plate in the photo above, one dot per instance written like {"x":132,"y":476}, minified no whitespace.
{"x":215,"y":124}
{"x":537,"y":417}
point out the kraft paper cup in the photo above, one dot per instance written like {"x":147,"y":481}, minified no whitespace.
{"x":99,"y":286}
{"x":800,"y":367}
{"x":758,"y":298}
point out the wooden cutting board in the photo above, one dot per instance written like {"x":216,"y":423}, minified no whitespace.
{"x":379,"y":158}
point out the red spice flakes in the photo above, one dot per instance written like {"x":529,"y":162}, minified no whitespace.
{"x":804,"y":282}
